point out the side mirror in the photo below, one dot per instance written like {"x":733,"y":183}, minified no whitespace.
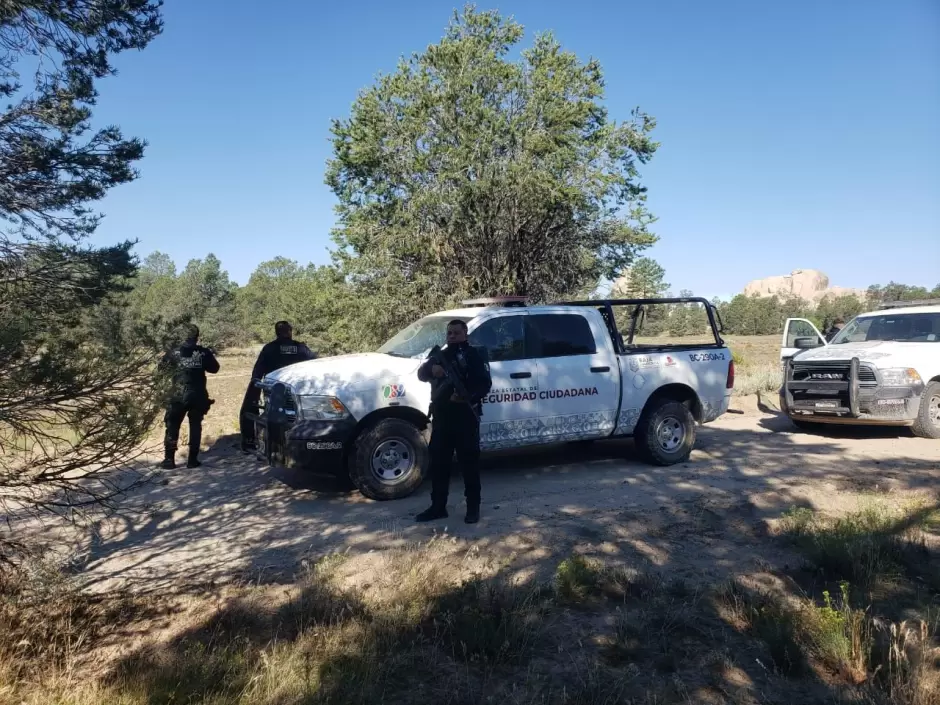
{"x":806,"y":343}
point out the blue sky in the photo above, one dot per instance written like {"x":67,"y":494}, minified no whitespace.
{"x":798,"y":134}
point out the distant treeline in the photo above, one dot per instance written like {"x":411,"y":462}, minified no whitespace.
{"x":324,"y":310}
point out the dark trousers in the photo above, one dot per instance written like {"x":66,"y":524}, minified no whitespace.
{"x":455,"y":430}
{"x":173,"y":419}
{"x":249,"y":406}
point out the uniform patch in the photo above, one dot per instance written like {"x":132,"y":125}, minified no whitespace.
{"x":191,"y":363}
{"x":393,"y":391}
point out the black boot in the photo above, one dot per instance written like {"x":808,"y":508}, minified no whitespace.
{"x":193,"y":461}
{"x":169,"y":458}
{"x":473,"y":514}
{"x":435,"y":511}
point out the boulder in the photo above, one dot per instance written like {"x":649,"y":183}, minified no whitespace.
{"x":805,"y":283}
{"x":809,"y":284}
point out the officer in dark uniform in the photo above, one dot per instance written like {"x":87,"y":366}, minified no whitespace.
{"x":837,"y":326}
{"x":189,"y":364}
{"x":280,"y":352}
{"x":454,"y":426}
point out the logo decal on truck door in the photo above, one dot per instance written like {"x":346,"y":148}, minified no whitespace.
{"x":393,"y":391}
{"x":643,"y":362}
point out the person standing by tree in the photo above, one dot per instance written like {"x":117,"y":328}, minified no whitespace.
{"x":189,"y":397}
{"x":454,"y":425}
{"x":280,"y":352}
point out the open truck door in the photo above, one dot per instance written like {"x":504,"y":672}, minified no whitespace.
{"x":799,"y":334}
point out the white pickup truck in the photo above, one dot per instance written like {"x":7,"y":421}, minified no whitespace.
{"x":560,"y":373}
{"x":882,"y":368}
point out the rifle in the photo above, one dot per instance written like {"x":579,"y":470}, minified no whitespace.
{"x":437,"y":355}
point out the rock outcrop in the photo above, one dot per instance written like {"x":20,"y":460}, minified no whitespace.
{"x":808,"y":284}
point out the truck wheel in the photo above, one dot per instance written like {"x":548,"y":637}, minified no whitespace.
{"x":665,"y":433}
{"x":927,"y":423}
{"x":389,"y":460}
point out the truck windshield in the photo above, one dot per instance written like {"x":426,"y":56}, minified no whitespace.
{"x":418,"y":338}
{"x":897,"y":327}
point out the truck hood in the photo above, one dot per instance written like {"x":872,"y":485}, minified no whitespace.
{"x":345,"y":373}
{"x":881,"y":353}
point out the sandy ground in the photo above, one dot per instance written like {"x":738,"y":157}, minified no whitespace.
{"x":235,"y":520}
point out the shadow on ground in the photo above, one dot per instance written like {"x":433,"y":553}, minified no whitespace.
{"x":590,"y":637}
{"x":234,"y":519}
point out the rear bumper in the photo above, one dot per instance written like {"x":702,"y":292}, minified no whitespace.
{"x":849,"y":401}
{"x":313,"y":446}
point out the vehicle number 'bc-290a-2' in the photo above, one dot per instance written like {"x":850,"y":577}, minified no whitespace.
{"x":706,"y":357}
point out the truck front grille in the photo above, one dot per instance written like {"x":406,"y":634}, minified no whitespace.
{"x":866,"y":376}
{"x":281,"y":397}
{"x":824,"y":386}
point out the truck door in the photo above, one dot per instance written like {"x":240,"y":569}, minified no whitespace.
{"x":579,"y":377}
{"x":510,"y":412}
{"x":799,"y":334}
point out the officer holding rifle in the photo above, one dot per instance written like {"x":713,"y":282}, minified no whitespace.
{"x":188,"y":365}
{"x":460,"y":379}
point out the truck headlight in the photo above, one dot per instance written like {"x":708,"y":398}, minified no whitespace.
{"x":317,"y":408}
{"x":900,"y":377}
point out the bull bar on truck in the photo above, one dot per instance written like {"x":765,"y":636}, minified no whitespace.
{"x":839,"y":391}
{"x":838,"y":388}
{"x":284,"y":439}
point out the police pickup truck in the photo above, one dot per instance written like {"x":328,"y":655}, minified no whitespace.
{"x":883,"y":368}
{"x":561,"y":373}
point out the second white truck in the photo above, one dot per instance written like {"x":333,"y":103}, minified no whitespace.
{"x":560,"y":373}
{"x":883,"y":368}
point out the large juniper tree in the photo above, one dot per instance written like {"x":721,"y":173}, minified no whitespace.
{"x":75,"y":397}
{"x":467,"y":173}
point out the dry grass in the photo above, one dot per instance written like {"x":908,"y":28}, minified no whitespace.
{"x":757,"y":364}
{"x":877,"y":546}
{"x":423,"y":627}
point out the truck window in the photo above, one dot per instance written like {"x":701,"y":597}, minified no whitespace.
{"x":897,"y":327}
{"x":503,"y":338}
{"x":419,"y":337}
{"x":561,"y":335}
{"x":799,"y":329}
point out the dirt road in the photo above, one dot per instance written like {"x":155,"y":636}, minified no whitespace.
{"x":234,"y":519}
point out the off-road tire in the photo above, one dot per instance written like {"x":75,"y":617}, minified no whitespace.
{"x":924,"y":426}
{"x":649,"y":443}
{"x":360,"y":461}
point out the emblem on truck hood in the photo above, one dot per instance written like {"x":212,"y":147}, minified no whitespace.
{"x":334,"y":375}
